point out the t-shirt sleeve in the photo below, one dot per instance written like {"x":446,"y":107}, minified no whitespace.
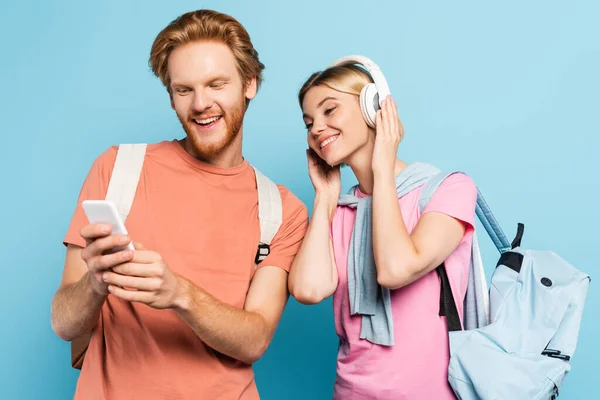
{"x":94,"y":187}
{"x":288,"y":238}
{"x":457,"y":197}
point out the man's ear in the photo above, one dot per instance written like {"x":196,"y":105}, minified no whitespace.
{"x":251,"y":89}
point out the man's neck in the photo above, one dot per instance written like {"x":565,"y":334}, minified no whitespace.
{"x":228,"y":158}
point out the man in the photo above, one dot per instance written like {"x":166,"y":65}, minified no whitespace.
{"x":185,"y":314}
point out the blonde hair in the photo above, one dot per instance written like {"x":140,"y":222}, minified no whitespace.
{"x":345,"y":78}
{"x":206,"y":25}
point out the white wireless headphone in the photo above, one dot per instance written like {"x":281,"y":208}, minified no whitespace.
{"x":373,"y":94}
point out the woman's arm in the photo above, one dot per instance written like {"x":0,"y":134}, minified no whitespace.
{"x":313,"y":275}
{"x":400,"y":257}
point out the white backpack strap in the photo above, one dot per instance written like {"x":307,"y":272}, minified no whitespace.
{"x":125,"y":176}
{"x":270,"y":213}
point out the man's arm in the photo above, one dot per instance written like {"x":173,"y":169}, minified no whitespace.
{"x":243,"y":334}
{"x":81,"y":294}
{"x":76,"y":306}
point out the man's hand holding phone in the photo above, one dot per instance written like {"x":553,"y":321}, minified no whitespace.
{"x":98,"y":253}
{"x":128,"y":272}
{"x":107,"y":241}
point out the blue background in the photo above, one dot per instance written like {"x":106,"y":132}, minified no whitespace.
{"x":506,"y":91}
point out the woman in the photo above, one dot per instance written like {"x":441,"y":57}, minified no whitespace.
{"x":393,"y":344}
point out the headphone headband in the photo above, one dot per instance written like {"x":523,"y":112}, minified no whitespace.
{"x":380,"y":82}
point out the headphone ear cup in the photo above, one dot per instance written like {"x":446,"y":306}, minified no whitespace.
{"x":369,"y":104}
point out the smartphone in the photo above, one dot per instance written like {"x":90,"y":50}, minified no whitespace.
{"x":105,"y":212}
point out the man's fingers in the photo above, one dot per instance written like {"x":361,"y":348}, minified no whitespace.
{"x":133,"y":282}
{"x":103,"y":245}
{"x":135,"y":268}
{"x":104,"y":262}
{"x":132,"y":295}
{"x":94,"y":231}
{"x":145,"y":257}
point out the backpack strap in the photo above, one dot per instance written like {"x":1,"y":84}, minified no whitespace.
{"x":121,"y":190}
{"x":125,"y":176}
{"x":482,"y":210}
{"x":270,"y":214}
{"x":476,"y":302}
{"x":491,"y":225}
{"x":447,"y":307}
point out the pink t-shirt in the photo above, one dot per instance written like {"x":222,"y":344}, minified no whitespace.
{"x":416,"y":366}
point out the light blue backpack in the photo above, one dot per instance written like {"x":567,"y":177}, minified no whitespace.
{"x":536,"y":301}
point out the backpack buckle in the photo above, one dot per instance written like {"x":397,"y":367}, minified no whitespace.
{"x":263,"y":251}
{"x":556,"y":354}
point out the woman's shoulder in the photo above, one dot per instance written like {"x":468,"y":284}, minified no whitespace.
{"x":456,"y":196}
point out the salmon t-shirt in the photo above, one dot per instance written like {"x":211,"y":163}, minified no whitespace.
{"x":416,"y":367}
{"x":203,"y":220}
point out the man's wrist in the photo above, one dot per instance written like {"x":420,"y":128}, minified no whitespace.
{"x":88,"y":288}
{"x":182,"y":300}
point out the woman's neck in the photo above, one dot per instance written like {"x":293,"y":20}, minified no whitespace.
{"x":361,"y":165}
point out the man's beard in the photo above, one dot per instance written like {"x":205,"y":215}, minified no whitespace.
{"x":233,"y":124}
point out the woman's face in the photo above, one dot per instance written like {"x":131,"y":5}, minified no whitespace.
{"x":335,"y":126}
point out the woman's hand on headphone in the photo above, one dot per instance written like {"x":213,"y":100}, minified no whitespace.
{"x":389,"y":134}
{"x":325,"y":179}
